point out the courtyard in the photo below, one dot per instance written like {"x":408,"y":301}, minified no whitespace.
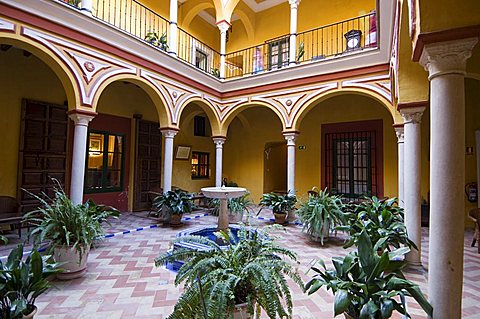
{"x":123,"y":282}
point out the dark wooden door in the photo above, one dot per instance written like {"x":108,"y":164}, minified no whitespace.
{"x":148,"y":161}
{"x":43,"y":150}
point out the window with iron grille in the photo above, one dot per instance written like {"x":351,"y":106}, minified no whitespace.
{"x":351,"y":163}
{"x":200,"y":165}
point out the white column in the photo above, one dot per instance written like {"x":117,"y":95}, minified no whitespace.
{"x":293,"y":31}
{"x":86,"y":7}
{"x":168,"y":135}
{"x":290,"y":137}
{"x":223,"y":27}
{"x":400,"y":141}
{"x":446,"y":65}
{"x":412,"y":190}
{"x":172,"y":40}
{"x":219,"y":141}
{"x":78,"y":156}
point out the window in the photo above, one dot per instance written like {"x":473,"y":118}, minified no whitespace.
{"x":105,"y":161}
{"x":200,"y":165}
{"x":351,"y":163}
{"x":201,"y":60}
{"x":278,"y":53}
{"x":199,"y":126}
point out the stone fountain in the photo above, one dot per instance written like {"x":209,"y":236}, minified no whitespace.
{"x":223,"y":194}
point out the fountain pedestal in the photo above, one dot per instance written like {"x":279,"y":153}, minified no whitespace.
{"x":223,"y":193}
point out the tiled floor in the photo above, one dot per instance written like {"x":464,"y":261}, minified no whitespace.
{"x":122,"y":281}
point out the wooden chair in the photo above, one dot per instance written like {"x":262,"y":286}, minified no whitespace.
{"x":10,"y":213}
{"x":474,"y":215}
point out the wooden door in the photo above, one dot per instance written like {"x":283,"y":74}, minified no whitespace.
{"x":148,"y":160}
{"x":43,"y":150}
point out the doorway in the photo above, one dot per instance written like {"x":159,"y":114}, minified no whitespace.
{"x":275,"y":167}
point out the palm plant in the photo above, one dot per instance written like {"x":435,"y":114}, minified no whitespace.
{"x":157,"y":40}
{"x":320,"y":213}
{"x":382,"y":221}
{"x":251,"y":270}
{"x":281,"y":205}
{"x":237,"y":205}
{"x":176,"y":202}
{"x":367,"y":285}
{"x":21,"y":282}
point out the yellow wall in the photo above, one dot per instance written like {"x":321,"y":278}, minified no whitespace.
{"x":437,"y":15}
{"x":182,"y":169}
{"x":28,"y":78}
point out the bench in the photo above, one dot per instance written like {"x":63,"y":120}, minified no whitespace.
{"x":10,"y":213}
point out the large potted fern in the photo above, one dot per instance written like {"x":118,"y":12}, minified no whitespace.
{"x":250,"y":272}
{"x":319,"y":213}
{"x":70,"y":229}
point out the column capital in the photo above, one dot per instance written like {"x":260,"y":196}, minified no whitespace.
{"x":219,"y":140}
{"x":412,"y":115}
{"x":290,"y":137}
{"x":400,"y":132}
{"x":81,"y":117}
{"x":223,"y":26}
{"x":448,"y":57}
{"x":169,"y":132}
{"x":294,"y":3}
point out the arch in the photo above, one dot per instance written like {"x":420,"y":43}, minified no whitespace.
{"x":232,"y":113}
{"x":208,"y":108}
{"x":247,"y":23}
{"x":193,"y":12}
{"x":67,"y":79}
{"x":312,"y":102}
{"x":164,"y":114}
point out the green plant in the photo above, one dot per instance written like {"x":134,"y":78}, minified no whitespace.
{"x":237,"y":205}
{"x":382,"y":221}
{"x":75,"y":3}
{"x":3,"y":239}
{"x":157,"y":40}
{"x":280,"y":204}
{"x":176,"y":202}
{"x":216,"y":72}
{"x":366,"y":285}
{"x":21,"y":282}
{"x":252,"y":270}
{"x":320,"y":213}
{"x":301,"y":51}
{"x":65,"y":224}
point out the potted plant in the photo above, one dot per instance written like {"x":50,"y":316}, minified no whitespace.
{"x":236,"y":207}
{"x":157,"y":40}
{"x":172,"y":205}
{"x":320,"y":213}
{"x":367,"y":285}
{"x":281,"y":205}
{"x":382,"y":221}
{"x":70,"y":229}
{"x":21,"y":282}
{"x":250,"y":272}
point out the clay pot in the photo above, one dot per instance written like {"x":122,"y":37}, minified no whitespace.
{"x":73,"y":265}
{"x":175,"y":220}
{"x":31,"y":314}
{"x":280,"y":218}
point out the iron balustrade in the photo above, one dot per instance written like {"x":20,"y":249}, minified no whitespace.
{"x":331,"y":40}
{"x":132,"y":17}
{"x":197,"y":53}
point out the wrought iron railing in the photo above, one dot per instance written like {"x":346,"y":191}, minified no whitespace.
{"x":197,"y":53}
{"x":337,"y":39}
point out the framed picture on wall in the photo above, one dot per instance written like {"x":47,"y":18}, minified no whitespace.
{"x":182,"y":153}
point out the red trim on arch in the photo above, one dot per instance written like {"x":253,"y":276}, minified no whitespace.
{"x":349,"y":127}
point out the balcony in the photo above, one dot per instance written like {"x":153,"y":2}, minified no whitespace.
{"x":324,"y":43}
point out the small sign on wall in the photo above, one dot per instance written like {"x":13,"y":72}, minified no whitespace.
{"x":302,"y":147}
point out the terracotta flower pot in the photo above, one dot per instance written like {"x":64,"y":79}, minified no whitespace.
{"x":31,"y":314}
{"x":73,"y":265}
{"x":176,"y":220}
{"x":347,"y":316}
{"x":280,"y":218}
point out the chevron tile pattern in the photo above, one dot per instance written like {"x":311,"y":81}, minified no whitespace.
{"x":122,"y":281}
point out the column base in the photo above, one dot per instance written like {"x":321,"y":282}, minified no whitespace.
{"x":86,"y":12}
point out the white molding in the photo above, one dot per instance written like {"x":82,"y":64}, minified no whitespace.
{"x":6,"y":25}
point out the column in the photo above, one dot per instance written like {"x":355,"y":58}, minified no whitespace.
{"x":290,"y":137}
{"x":219,"y":141}
{"x":400,"y":138}
{"x":223,"y":27}
{"x":172,"y":40}
{"x":168,"y":135}
{"x":446,"y":65}
{"x":293,"y":31}
{"x":86,"y":7}
{"x":78,"y":155}
{"x":412,"y":192}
